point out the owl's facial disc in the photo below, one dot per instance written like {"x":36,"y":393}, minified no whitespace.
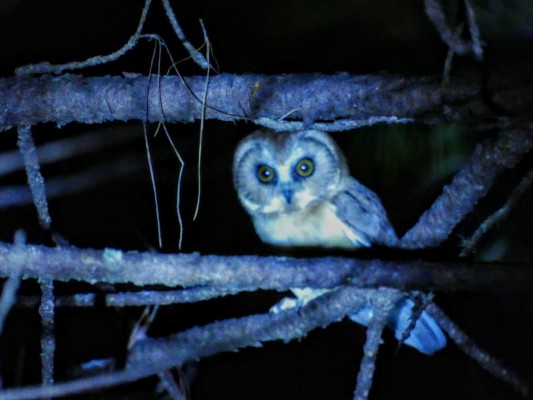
{"x":279,"y":173}
{"x":287,"y":185}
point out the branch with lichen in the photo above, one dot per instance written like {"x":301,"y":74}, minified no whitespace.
{"x":153,"y":355}
{"x":471,"y":183}
{"x":252,"y":272}
{"x":212,"y":276}
{"x":282,"y":102}
{"x":435,"y":12}
{"x":340,"y":101}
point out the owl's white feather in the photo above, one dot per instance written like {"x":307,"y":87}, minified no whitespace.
{"x":298,"y":191}
{"x":319,"y":226}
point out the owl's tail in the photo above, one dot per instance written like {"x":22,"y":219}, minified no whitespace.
{"x":426,"y":336}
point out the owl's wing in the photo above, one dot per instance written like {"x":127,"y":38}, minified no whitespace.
{"x":361,"y":211}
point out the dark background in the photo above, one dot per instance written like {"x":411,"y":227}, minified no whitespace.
{"x":406,"y":165}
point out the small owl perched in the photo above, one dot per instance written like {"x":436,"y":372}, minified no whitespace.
{"x":298,"y":190}
{"x":299,"y":193}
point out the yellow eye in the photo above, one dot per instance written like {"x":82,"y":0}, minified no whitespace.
{"x":305,"y":167}
{"x":265,"y":173}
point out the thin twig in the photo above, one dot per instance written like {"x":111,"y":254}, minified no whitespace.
{"x":8,"y":297}
{"x":334,"y":126}
{"x":197,"y":56}
{"x":140,"y":329}
{"x":160,"y":45}
{"x":470,"y":184}
{"x":48,"y":342}
{"x":19,"y":195}
{"x":447,"y":68}
{"x":178,"y":185}
{"x":10,"y":288}
{"x":138,"y":299}
{"x":499,"y":215}
{"x":154,"y":187}
{"x":170,"y":385}
{"x":436,"y":15}
{"x":64,"y":149}
{"x":202,"y":124}
{"x":33,"y":172}
{"x":485,"y":360}
{"x":73,"y":387}
{"x":382,"y":308}
{"x":475,"y":34}
{"x":47,"y":68}
{"x":147,"y":145}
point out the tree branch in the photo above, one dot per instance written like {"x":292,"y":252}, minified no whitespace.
{"x":436,"y":15}
{"x":253,"y":272}
{"x":485,"y":360}
{"x":372,"y":343}
{"x":307,"y":97}
{"x":475,"y":179}
{"x":151,"y":356}
{"x":499,"y":215}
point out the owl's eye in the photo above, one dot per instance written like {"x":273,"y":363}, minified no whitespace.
{"x":305,"y":167}
{"x":265,"y":173}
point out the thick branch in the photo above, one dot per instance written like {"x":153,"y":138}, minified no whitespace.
{"x":306,"y":97}
{"x":151,"y":356}
{"x":253,"y":272}
{"x":232,"y":334}
{"x":475,"y":179}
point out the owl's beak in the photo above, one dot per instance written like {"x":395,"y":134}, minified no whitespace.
{"x":287,"y":193}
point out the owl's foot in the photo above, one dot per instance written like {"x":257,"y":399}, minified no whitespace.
{"x":425,"y":335}
{"x":285,"y":304}
{"x":303,"y":296}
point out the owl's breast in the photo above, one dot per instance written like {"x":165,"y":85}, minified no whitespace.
{"x":314,"y":227}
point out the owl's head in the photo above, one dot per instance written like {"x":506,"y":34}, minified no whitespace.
{"x":278,"y":172}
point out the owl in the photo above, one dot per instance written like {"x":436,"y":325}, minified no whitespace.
{"x":298,"y":190}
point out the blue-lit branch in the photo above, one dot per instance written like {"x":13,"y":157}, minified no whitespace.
{"x":306,"y":99}
{"x":252,"y":272}
{"x":151,"y":356}
{"x":470,"y":184}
